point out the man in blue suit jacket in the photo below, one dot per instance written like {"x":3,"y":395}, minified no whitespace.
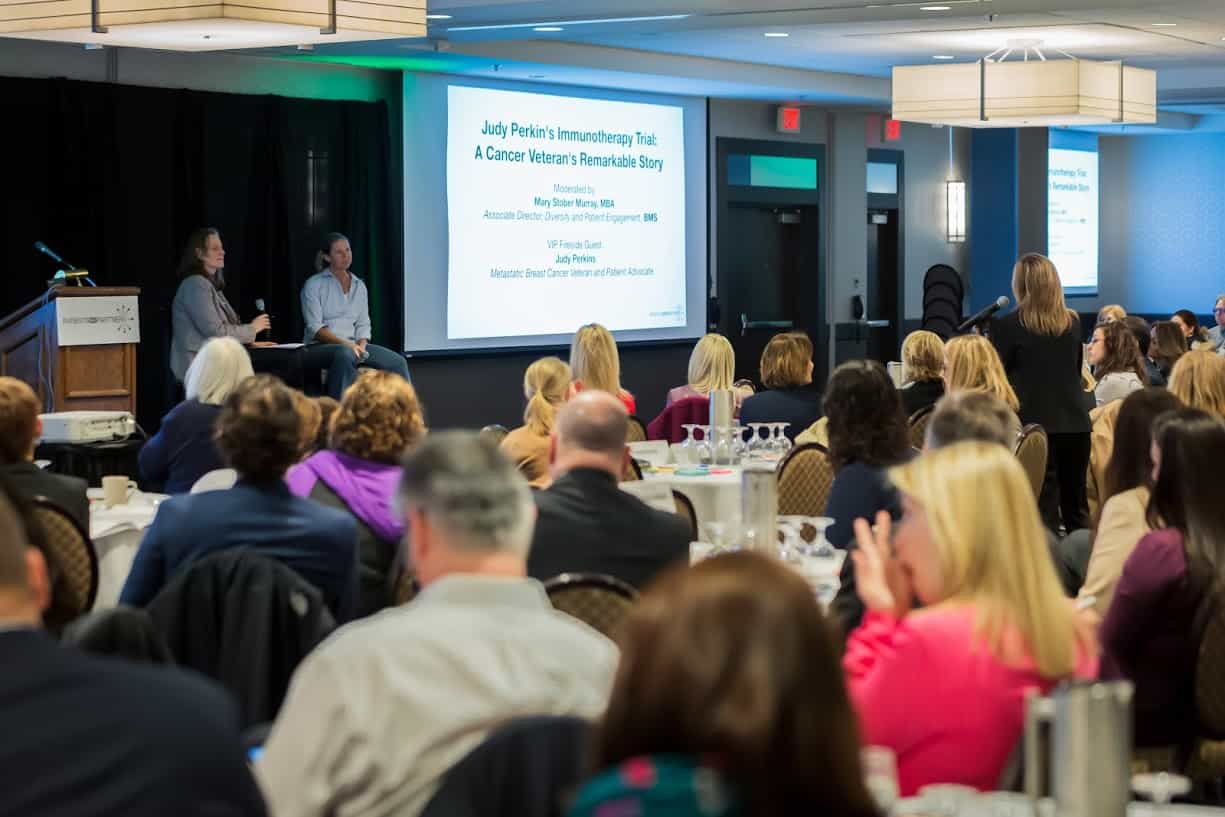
{"x":258,"y":436}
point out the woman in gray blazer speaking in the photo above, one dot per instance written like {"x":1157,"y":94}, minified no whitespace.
{"x":200,"y":309}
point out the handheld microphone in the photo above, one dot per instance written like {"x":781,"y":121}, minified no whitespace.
{"x":259,"y":304}
{"x":50,"y":253}
{"x":984,"y":313}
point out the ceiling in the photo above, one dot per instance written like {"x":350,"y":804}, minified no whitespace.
{"x":864,"y":38}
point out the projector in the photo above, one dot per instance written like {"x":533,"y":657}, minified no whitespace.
{"x":86,"y":426}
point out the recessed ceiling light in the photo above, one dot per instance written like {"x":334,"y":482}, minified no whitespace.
{"x":547,"y":28}
{"x":934,"y":8}
{"x":591,"y":22}
{"x":1164,"y":25}
{"x":943,"y":57}
{"x":438,"y":16}
{"x":777,"y":34}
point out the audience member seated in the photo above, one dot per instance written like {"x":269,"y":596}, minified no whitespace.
{"x":1143,"y":333}
{"x":310,"y":421}
{"x":712,"y":365}
{"x":377,"y":714}
{"x":1149,"y":631}
{"x":1216,"y":335}
{"x":1098,"y":555}
{"x":585,"y":523}
{"x":728,"y":685}
{"x":20,"y":430}
{"x":546,"y":385}
{"x":790,"y":397}
{"x":945,"y":686}
{"x":1167,"y":346}
{"x":1110,"y":313}
{"x":86,"y":735}
{"x":1198,"y":380}
{"x":967,"y":416}
{"x":328,"y":406}
{"x":183,"y":450}
{"x":259,"y":435}
{"x":972,"y":364}
{"x":922,"y":361}
{"x":595,"y":364}
{"x":378,"y":422}
{"x":867,"y":435}
{"x":1194,"y":335}
{"x":1117,"y":364}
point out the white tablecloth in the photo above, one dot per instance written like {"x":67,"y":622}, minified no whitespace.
{"x":715,"y":496}
{"x":116,"y":533}
{"x":821,"y":572}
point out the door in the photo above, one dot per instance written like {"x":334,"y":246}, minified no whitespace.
{"x":765,"y":277}
{"x":769,"y":264}
{"x":882,"y":302}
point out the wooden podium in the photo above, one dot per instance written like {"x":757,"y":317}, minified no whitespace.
{"x":76,"y":347}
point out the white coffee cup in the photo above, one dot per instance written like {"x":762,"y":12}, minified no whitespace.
{"x":115,"y":490}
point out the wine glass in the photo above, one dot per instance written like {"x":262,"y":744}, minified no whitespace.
{"x":688,"y":447}
{"x":705,"y":448}
{"x":781,"y":440}
{"x":716,"y":531}
{"x":740,"y":448}
{"x":757,"y":445}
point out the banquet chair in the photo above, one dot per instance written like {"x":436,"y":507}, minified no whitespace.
{"x":527,"y":768}
{"x":916,"y":425}
{"x":805,"y":477}
{"x":120,"y":632}
{"x":595,"y":599}
{"x":1207,"y":754}
{"x":684,"y":507}
{"x":633,"y":471}
{"x":494,"y":433}
{"x":636,"y":431}
{"x":1031,"y":451}
{"x":71,"y":563}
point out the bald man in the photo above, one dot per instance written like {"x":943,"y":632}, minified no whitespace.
{"x":586,"y":524}
{"x":90,"y":736}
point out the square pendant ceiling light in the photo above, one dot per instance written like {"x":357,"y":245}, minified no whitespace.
{"x":211,"y":25}
{"x":986,"y":94}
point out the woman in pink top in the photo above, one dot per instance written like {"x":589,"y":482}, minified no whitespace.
{"x":944,"y":686}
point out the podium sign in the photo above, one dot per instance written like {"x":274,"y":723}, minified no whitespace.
{"x":98,"y":321}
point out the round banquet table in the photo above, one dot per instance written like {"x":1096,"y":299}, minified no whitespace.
{"x":116,"y":533}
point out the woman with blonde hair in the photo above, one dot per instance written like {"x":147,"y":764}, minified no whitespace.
{"x":971,"y":364}
{"x":922,"y":362}
{"x":712,"y":365}
{"x":1110,"y":313}
{"x":994,"y":622}
{"x":183,"y":450}
{"x":1040,"y":346}
{"x":546,"y":385}
{"x":378,"y":421}
{"x":1198,"y":380}
{"x":595,"y":364}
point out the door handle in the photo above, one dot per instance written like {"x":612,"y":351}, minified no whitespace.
{"x":746,"y":324}
{"x":881,"y":324}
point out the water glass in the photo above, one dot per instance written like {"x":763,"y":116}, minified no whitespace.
{"x":758,"y":447}
{"x":689,"y":446}
{"x":706,"y":447}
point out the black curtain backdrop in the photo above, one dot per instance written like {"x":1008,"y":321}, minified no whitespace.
{"x":115,"y":177}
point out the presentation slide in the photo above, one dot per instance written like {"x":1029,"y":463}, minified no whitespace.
{"x":563,"y":207}
{"x":1072,"y":217}
{"x":532,"y":209}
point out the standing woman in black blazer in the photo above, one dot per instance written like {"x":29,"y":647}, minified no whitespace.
{"x":1040,"y":346}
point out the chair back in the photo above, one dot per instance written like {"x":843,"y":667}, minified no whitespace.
{"x":633,"y":471}
{"x":524,"y":769}
{"x":1031,"y":450}
{"x":220,"y":479}
{"x":494,"y":433}
{"x":804,"y":478}
{"x":670,"y":423}
{"x":684,"y":507}
{"x":595,"y":599}
{"x":916,"y":426}
{"x":71,"y":560}
{"x":636,"y":431}
{"x":121,"y":632}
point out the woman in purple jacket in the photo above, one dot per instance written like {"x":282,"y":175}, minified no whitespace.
{"x":378,"y":421}
{"x":1149,"y":633}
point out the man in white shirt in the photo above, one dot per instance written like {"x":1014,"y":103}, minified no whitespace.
{"x":1217,"y":333}
{"x":378,"y":713}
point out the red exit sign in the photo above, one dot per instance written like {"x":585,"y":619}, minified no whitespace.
{"x":893,"y":130}
{"x":788,"y":119}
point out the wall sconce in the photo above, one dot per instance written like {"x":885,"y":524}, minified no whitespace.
{"x":955,"y":199}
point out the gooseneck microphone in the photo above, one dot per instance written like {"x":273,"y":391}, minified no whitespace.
{"x":983,"y":314}
{"x":50,"y":253}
